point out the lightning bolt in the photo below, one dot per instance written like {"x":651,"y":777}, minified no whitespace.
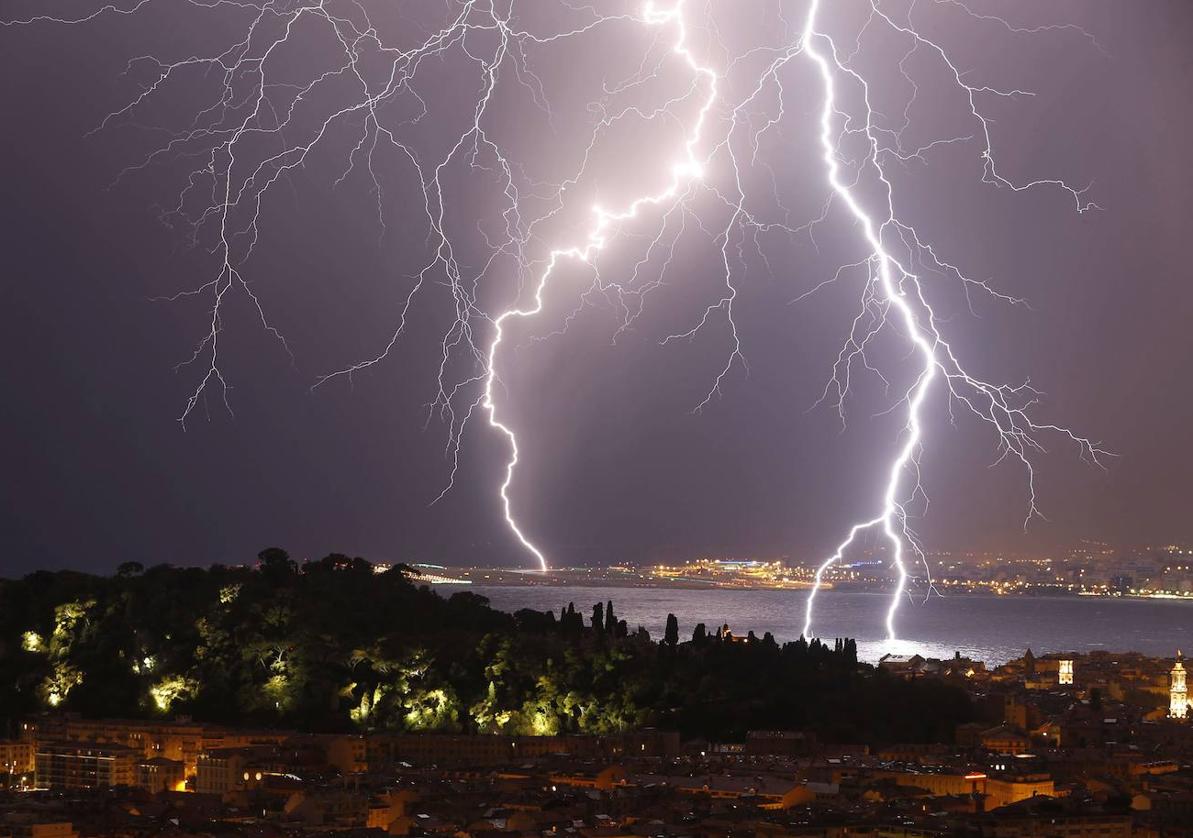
{"x":257,"y":130}
{"x":894,"y":285}
{"x":682,"y":173}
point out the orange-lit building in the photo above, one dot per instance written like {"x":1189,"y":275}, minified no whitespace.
{"x":996,"y":791}
{"x":161,"y":774}
{"x":16,"y":758}
{"x":1005,"y":739}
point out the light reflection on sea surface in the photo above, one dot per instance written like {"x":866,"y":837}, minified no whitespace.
{"x":993,"y":629}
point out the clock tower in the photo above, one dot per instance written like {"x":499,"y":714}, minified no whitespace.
{"x":1178,"y":705}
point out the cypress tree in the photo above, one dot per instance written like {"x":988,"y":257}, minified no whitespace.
{"x":671,"y":635}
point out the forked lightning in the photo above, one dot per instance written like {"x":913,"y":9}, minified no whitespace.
{"x":256,"y":129}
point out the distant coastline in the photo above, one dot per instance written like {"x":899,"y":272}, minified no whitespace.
{"x":644,"y":579}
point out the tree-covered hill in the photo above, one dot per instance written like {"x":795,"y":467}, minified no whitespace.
{"x":334,"y":645}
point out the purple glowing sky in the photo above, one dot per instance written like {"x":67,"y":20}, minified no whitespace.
{"x":615,"y":466}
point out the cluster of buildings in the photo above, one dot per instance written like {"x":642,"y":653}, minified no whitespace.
{"x":1102,"y":726}
{"x":1097,"y":745}
{"x":734,"y":573}
{"x":698,"y":573}
{"x":1089,"y":569}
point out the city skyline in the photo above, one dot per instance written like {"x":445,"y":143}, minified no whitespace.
{"x":331,"y":694}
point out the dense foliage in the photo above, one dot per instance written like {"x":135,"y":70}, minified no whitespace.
{"x":334,"y":645}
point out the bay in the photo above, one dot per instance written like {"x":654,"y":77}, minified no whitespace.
{"x":989,"y":628}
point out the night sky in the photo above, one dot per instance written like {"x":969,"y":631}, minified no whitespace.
{"x":616,"y":466}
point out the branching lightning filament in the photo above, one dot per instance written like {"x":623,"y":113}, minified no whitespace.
{"x":894,"y":285}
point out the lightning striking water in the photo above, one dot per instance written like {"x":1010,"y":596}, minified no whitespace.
{"x":262,"y":125}
{"x":901,"y":289}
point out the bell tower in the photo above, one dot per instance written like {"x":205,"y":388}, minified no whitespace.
{"x":1178,"y":705}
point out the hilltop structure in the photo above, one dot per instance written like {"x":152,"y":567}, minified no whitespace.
{"x":1178,"y":703}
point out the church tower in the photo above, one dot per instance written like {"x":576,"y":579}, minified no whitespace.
{"x":1064,"y":673}
{"x":1178,"y":705}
